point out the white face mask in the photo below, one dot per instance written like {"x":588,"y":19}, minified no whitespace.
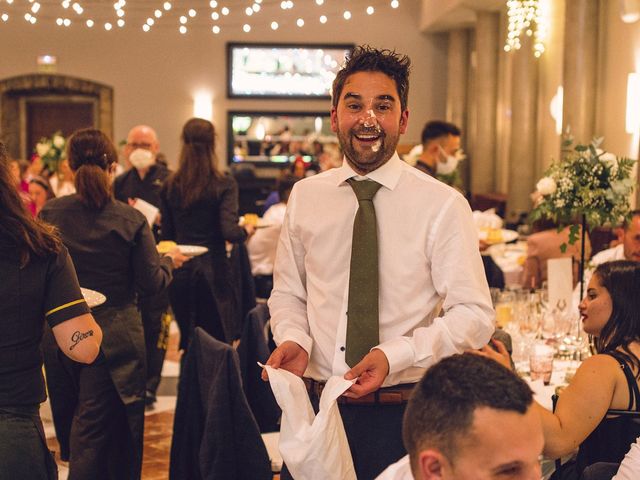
{"x":141,"y":158}
{"x":447,"y":164}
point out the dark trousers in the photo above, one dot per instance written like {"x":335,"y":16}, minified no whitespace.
{"x":374,"y":433}
{"x":101,"y":441}
{"x":62,"y":389}
{"x":152,"y":310}
{"x":23,"y":449}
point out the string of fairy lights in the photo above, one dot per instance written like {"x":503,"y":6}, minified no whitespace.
{"x":217,"y":15}
{"x":525,"y":17}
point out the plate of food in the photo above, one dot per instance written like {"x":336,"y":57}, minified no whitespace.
{"x":255,"y":220}
{"x":92,"y":297}
{"x":189,"y":250}
{"x":494,"y":236}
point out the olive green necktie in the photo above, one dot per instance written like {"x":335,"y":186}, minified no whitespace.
{"x":362,"y":314}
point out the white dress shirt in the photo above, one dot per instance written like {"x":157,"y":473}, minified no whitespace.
{"x":630,"y":466}
{"x":263,"y":243}
{"x":428,"y":251}
{"x":401,"y":470}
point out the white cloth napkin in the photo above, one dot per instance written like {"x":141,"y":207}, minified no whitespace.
{"x":487,"y":219}
{"x":312,"y":446}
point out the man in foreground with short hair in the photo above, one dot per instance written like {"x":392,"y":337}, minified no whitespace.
{"x":470,"y":418}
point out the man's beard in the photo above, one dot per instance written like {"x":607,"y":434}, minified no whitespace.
{"x":367,"y":159}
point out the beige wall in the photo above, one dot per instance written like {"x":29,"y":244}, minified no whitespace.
{"x":154,"y":75}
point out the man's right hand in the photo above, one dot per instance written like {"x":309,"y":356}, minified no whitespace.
{"x":290,"y":356}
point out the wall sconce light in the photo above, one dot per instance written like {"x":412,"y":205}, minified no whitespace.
{"x":555,"y":107}
{"x":632,"y":123}
{"x":47,"y":63}
{"x":629,"y":11}
{"x":203,"y":105}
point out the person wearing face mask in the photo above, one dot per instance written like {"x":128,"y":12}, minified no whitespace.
{"x":144,"y":181}
{"x":440,"y":145}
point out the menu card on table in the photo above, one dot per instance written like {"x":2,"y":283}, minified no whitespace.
{"x":560,"y":279}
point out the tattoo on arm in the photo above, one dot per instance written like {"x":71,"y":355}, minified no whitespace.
{"x":78,"y":336}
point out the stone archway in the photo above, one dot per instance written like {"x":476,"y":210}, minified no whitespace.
{"x":16,"y":93}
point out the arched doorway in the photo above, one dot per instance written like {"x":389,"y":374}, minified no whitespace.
{"x":37,"y":105}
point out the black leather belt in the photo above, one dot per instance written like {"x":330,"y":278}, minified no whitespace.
{"x":395,"y":395}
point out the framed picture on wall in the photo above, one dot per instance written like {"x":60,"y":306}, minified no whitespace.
{"x":278,"y":139}
{"x":265,"y":70}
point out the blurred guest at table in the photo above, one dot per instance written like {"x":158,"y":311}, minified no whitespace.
{"x":610,"y":312}
{"x":62,"y":181}
{"x":262,"y":245}
{"x":440,"y":144}
{"x":469,"y":418}
{"x":144,"y":181}
{"x":627,"y":249}
{"x":115,"y":254}
{"x":199,"y":206}
{"x":40,"y":192}
{"x":38,"y":284}
{"x":545,"y":243}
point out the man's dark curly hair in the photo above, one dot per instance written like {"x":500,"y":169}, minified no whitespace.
{"x":365,"y":58}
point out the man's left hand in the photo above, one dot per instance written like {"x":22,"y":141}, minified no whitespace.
{"x":370,"y":372}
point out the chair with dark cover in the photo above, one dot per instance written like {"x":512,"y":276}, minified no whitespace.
{"x":214,"y":433}
{"x":256,"y":346}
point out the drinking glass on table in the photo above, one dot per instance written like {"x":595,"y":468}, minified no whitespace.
{"x":541,"y":362}
{"x":504,"y":308}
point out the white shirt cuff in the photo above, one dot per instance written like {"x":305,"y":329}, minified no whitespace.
{"x":399,"y":354}
{"x":298,"y":337}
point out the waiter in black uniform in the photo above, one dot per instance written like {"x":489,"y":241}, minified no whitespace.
{"x":143,"y":181}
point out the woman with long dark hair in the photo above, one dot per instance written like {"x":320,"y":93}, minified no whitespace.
{"x":38,"y":283}
{"x":610,"y":311}
{"x":115,"y":254}
{"x":199,"y":206}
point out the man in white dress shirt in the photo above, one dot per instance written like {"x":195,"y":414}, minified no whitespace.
{"x":427,"y":254}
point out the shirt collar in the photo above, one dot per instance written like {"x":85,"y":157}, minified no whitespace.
{"x":387,"y":175}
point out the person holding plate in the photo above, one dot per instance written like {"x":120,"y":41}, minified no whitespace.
{"x":199,"y":206}
{"x":114,"y":252}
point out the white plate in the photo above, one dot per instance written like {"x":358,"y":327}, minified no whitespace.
{"x":92,"y":297}
{"x":507,"y":236}
{"x":192,"y":250}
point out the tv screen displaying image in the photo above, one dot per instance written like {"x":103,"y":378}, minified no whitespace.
{"x":283,"y":71}
{"x":271,"y":138}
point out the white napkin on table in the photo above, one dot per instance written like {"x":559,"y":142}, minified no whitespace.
{"x":487,"y":219}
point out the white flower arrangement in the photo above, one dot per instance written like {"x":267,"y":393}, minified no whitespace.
{"x":587,"y":185}
{"x":51,"y":151}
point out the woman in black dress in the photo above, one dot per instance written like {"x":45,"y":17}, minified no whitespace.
{"x":199,"y":206}
{"x":38,"y":283}
{"x":114,"y":253}
{"x":603,"y":383}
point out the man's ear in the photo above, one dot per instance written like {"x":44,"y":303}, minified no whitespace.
{"x":431,"y":465}
{"x":404,"y":122}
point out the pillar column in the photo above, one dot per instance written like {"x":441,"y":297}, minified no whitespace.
{"x":522,"y":150}
{"x":580,"y":68}
{"x":483,"y":169}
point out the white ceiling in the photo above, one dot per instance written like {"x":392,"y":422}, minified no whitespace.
{"x":443,"y":15}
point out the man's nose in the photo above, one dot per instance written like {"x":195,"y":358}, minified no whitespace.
{"x":369,"y":119}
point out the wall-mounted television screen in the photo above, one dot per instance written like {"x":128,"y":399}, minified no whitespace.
{"x":278,"y":138}
{"x":257,"y":70}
